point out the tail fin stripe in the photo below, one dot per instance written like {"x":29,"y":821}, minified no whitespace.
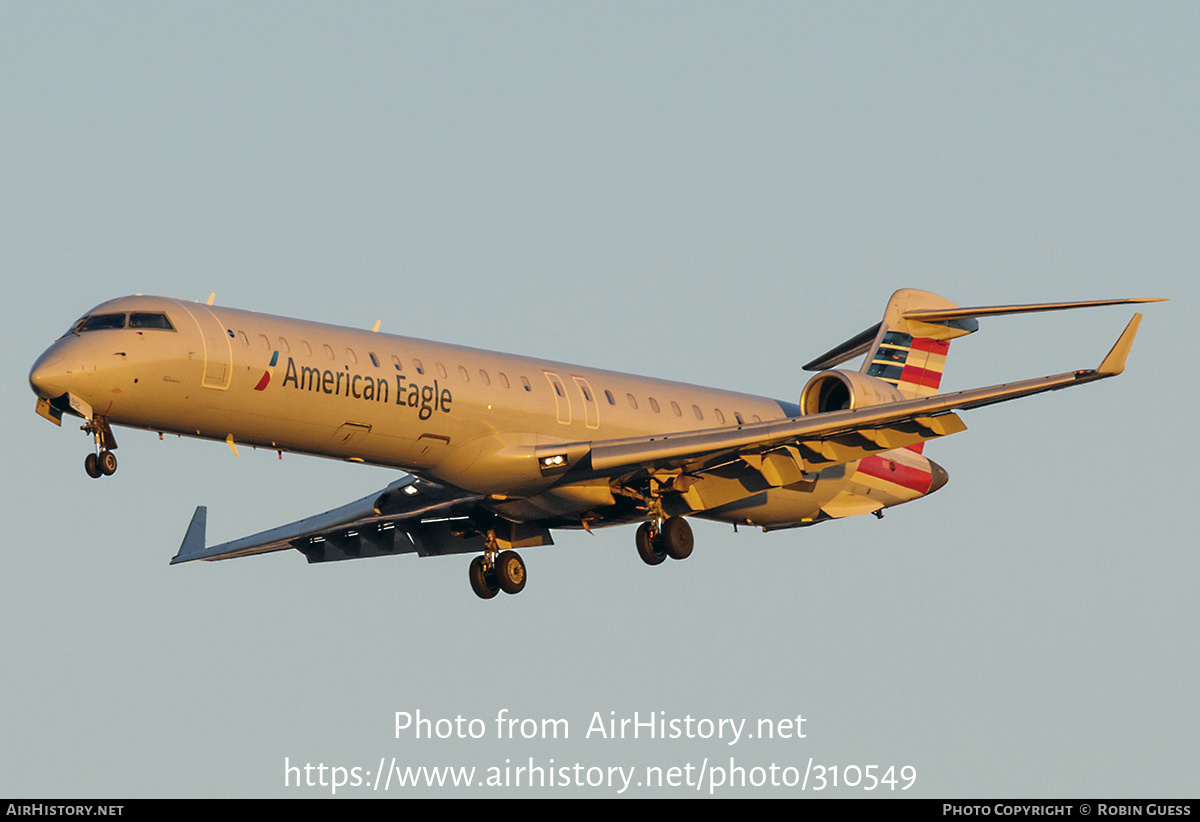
{"x":926,"y":377}
{"x":931,"y":345}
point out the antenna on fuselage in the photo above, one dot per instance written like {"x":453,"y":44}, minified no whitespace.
{"x":375,"y":327}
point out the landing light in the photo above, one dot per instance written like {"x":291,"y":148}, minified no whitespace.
{"x":554,"y":464}
{"x":410,"y":490}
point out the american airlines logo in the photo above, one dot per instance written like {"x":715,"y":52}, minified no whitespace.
{"x":424,"y":398}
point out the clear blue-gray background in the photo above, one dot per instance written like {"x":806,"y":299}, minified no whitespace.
{"x":706,"y":192}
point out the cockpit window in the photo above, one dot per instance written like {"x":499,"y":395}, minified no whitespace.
{"x":99,"y":322}
{"x":146,"y":320}
{"x":138,"y":319}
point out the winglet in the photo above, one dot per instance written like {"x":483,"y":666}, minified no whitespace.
{"x":1114,"y":363}
{"x":193,"y":540}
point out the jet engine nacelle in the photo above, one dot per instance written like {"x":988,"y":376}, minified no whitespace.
{"x":837,"y":390}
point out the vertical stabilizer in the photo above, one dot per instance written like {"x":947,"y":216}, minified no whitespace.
{"x":911,"y":354}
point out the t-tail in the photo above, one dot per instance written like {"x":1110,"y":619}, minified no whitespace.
{"x":908,"y":347}
{"x":906,"y":351}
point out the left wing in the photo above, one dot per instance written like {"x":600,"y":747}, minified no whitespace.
{"x":409,"y":515}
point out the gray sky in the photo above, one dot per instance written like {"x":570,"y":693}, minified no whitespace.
{"x":712,"y":193}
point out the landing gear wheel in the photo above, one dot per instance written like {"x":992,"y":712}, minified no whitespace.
{"x":483,"y":579}
{"x":649,"y":544}
{"x":677,"y":538}
{"x":91,"y":464}
{"x":107,"y":463}
{"x":510,"y":572}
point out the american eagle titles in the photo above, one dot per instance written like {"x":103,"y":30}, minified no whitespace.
{"x":425,"y":398}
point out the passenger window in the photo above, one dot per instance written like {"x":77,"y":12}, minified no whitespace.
{"x":699,"y":414}
{"x":483,"y":375}
{"x":462,"y":371}
{"x":611,"y":399}
{"x":737,"y":416}
{"x":675,"y":408}
{"x":396,"y":362}
{"x":526,"y":384}
{"x":351,"y":355}
{"x":307,"y":348}
{"x":265,"y":341}
{"x":632,"y":401}
{"x":504,"y":379}
{"x":441,"y":370}
{"x":417,"y":365}
{"x":245,"y":340}
{"x":283,"y":346}
{"x":654,"y":405}
{"x":720,"y":416}
{"x":374,"y":359}
{"x":329,"y":350}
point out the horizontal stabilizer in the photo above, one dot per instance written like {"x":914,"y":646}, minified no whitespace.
{"x":959,"y":313}
{"x":854,"y":347}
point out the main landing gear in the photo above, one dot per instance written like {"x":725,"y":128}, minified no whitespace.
{"x":103,"y":463}
{"x":658,"y":539}
{"x":491,"y":573}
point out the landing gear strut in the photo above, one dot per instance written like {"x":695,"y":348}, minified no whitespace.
{"x":672,"y":538}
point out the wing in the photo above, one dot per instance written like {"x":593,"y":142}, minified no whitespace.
{"x":410,"y":515}
{"x":820,"y":440}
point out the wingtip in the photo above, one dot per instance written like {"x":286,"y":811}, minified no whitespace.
{"x":193,"y":540}
{"x":1114,"y":363}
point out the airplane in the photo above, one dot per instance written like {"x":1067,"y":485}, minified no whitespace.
{"x":499,"y":450}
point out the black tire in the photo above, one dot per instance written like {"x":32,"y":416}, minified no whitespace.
{"x":483,"y":579}
{"x":91,"y":464}
{"x":649,"y":544}
{"x":677,"y":538}
{"x":510,"y":572}
{"x":107,"y":463}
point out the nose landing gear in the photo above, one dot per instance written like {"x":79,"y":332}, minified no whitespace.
{"x":103,"y":463}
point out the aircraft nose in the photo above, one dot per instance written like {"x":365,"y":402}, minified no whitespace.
{"x":50,"y":376}
{"x":940,"y":477}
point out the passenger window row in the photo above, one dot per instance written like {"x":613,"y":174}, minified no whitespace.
{"x":485,"y":378}
{"x":352,"y":357}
